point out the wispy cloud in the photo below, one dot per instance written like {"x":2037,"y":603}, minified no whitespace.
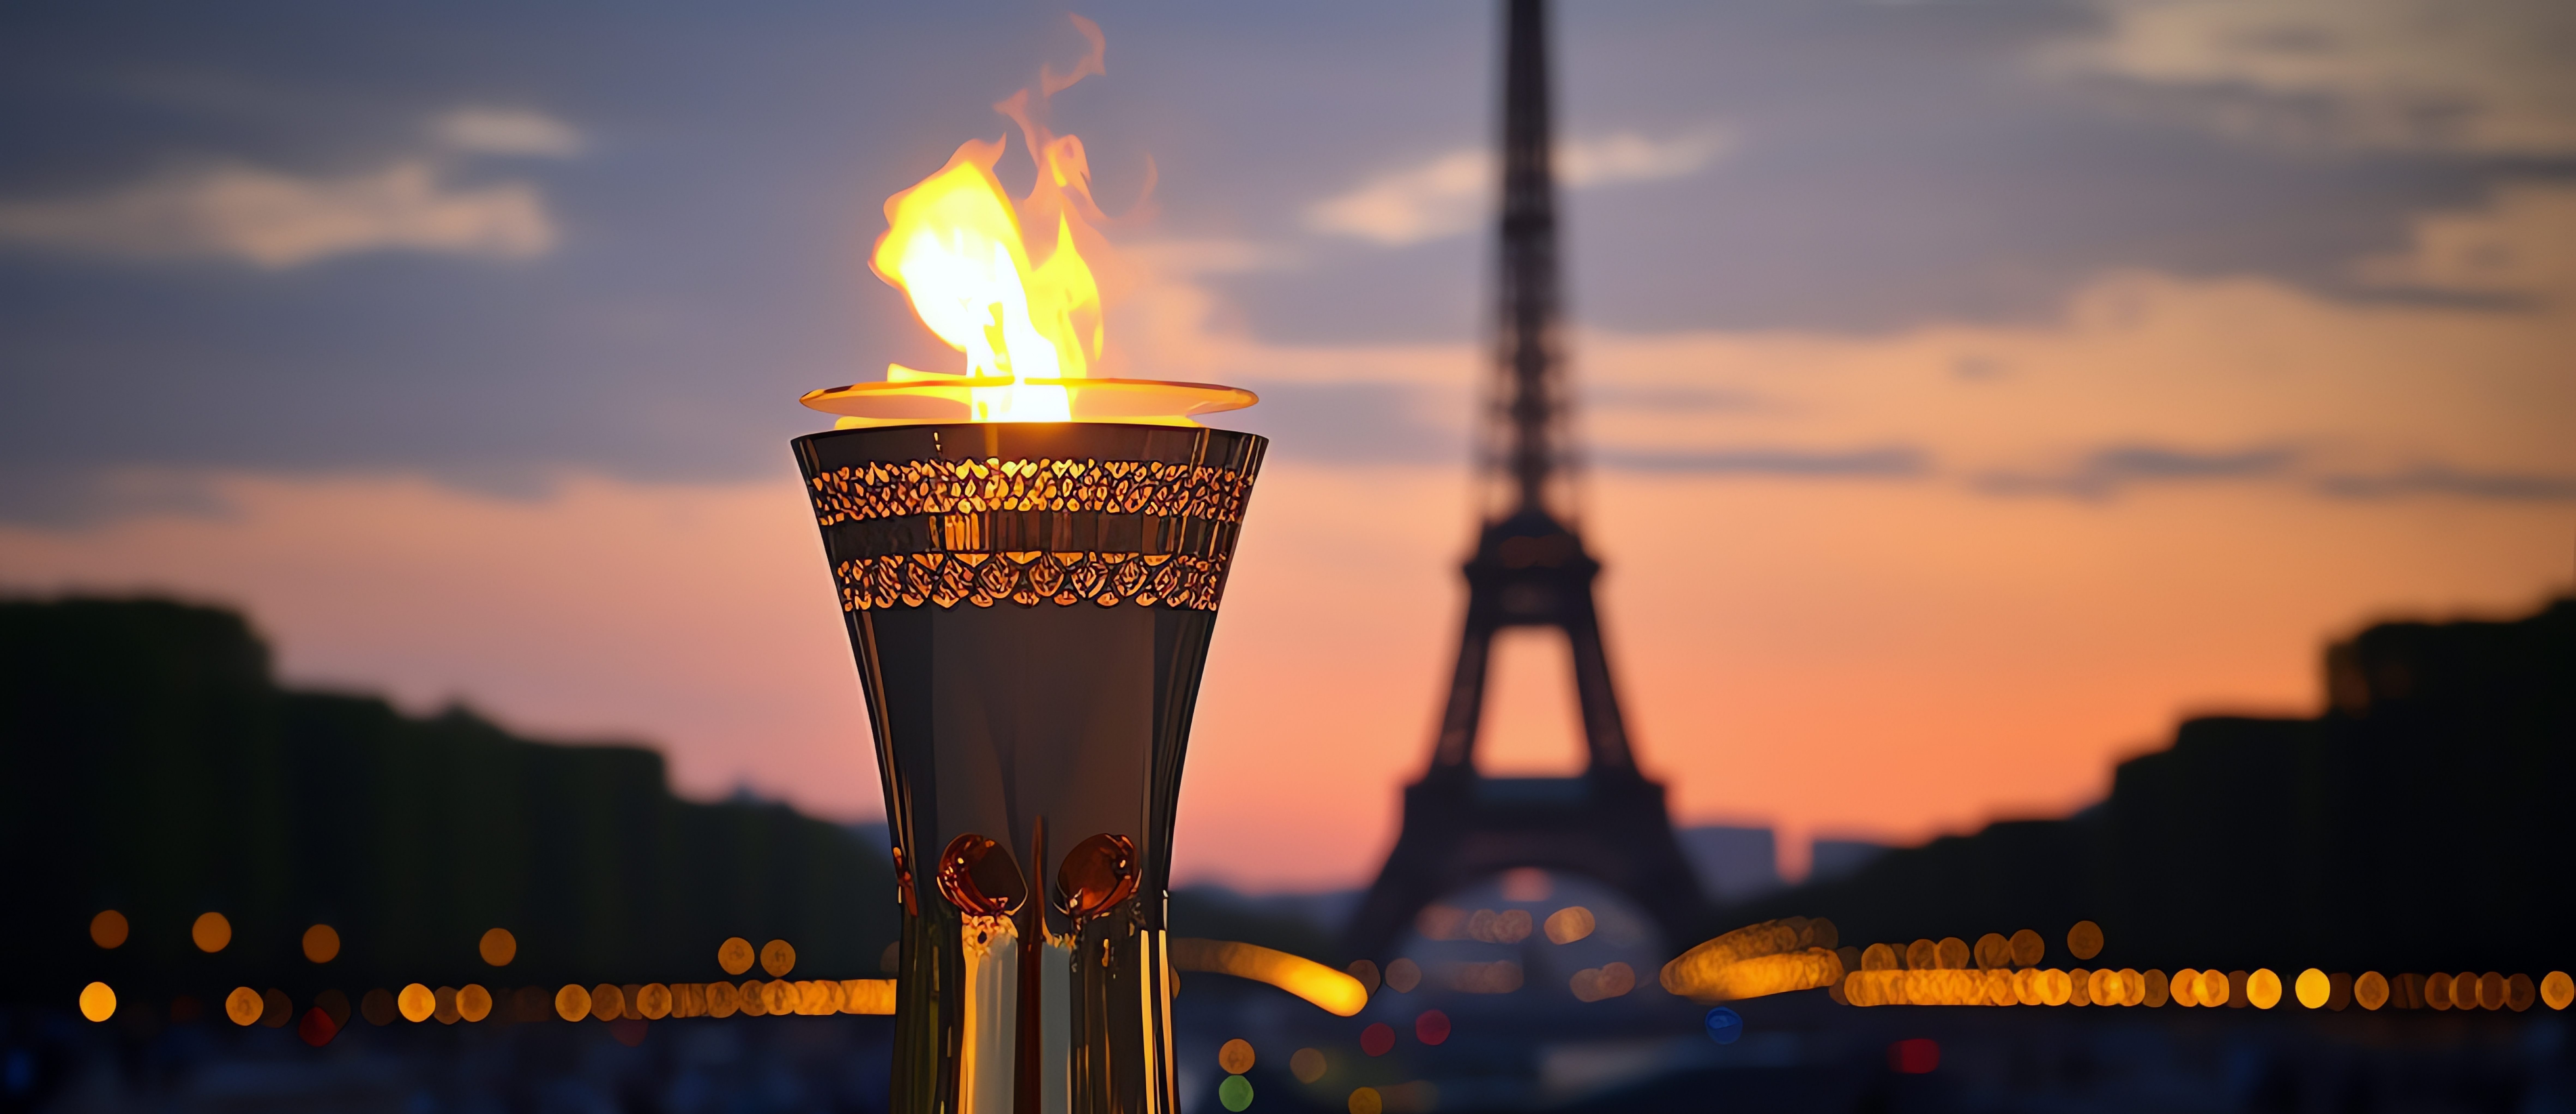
{"x":2480,"y":76}
{"x":506,"y":131}
{"x":1889,"y":462}
{"x":2104,"y":472}
{"x":1445,"y":195}
{"x":2441,"y":479}
{"x":275,"y":220}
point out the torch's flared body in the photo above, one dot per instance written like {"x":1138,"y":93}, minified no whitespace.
{"x":1030,"y":605}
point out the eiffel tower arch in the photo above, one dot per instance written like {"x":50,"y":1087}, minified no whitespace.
{"x":1530,"y":569}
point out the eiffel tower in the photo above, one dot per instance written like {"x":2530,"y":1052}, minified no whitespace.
{"x":1530,"y":569}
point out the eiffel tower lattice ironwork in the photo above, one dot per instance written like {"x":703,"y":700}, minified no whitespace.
{"x":1530,"y":569}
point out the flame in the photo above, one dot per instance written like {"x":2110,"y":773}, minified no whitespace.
{"x":1011,"y":286}
{"x":954,"y":245}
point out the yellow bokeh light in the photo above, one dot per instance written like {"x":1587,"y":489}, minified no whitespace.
{"x":321,"y":943}
{"x":735,"y":955}
{"x":1879,"y":957}
{"x":1235,"y":1057}
{"x":2084,"y":940}
{"x":1993,"y":951}
{"x":1365,"y":1100}
{"x":572,"y":1003}
{"x":2557,"y":990}
{"x":473,"y":1003}
{"x":779,"y":998}
{"x":211,"y":932}
{"x":1922,"y":955}
{"x":653,"y":1001}
{"x":2263,"y":988}
{"x":1951,"y":954}
{"x":607,"y":1002}
{"x":2213,"y":989}
{"x":2028,"y":949}
{"x":872,"y":996}
{"x":108,"y":929}
{"x":1334,"y":991}
{"x":2371,"y":990}
{"x":1570,"y":924}
{"x":722,"y":1000}
{"x":416,"y":1002}
{"x":2056,"y":987}
{"x":98,"y":1001}
{"x":2158,"y":990}
{"x":244,"y":1006}
{"x":777,"y":957}
{"x":2312,"y":988}
{"x":498,"y":947}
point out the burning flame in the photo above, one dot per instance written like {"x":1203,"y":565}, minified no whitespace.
{"x":1025,"y":313}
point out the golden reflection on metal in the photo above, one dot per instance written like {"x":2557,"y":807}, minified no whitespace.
{"x":321,"y":943}
{"x":1572,"y":923}
{"x":1099,"y":873}
{"x":2084,"y":940}
{"x":498,"y":947}
{"x":211,"y":932}
{"x":98,"y":1001}
{"x":1332,"y":991}
{"x":108,"y":930}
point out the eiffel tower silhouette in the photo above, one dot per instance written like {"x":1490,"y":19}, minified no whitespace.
{"x":1530,"y":569}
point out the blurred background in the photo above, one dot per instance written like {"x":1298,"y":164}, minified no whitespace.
{"x":1974,"y":392}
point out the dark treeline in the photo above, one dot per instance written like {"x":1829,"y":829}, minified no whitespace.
{"x":2427,"y":821}
{"x":150,"y":764}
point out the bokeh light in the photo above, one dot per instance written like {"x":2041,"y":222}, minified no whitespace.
{"x":211,"y":932}
{"x":1993,"y":951}
{"x":321,"y":943}
{"x":1307,"y":1065}
{"x":1432,"y":1027}
{"x":417,"y":1003}
{"x":2437,"y":991}
{"x":98,"y":1001}
{"x":378,"y":1007}
{"x":2263,"y":988}
{"x":316,"y":1028}
{"x":607,"y":1002}
{"x":2557,"y":990}
{"x":1235,"y":1093}
{"x":2084,"y":940}
{"x":572,"y":1003}
{"x":1914,"y":1056}
{"x":777,"y":957}
{"x":108,"y":929}
{"x":1403,"y":975}
{"x":473,"y":1002}
{"x":1334,"y":991}
{"x":1365,"y":1100}
{"x":276,"y":1010}
{"x":1723,"y":1025}
{"x":243,"y":1006}
{"x":1922,"y":955}
{"x":2028,"y":949}
{"x":1951,"y":954}
{"x":1879,"y":957}
{"x":1365,"y":970}
{"x":1378,"y":1039}
{"x":498,"y":947}
{"x":735,"y":955}
{"x":1236,"y":1056}
{"x":1572,"y":923}
{"x":2312,"y":988}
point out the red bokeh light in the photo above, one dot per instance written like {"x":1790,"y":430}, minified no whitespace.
{"x":1914,"y":1056}
{"x":1432,"y":1027}
{"x":1378,"y":1039}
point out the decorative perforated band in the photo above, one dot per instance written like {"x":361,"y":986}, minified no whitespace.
{"x":1028,"y":579}
{"x":915,"y":487}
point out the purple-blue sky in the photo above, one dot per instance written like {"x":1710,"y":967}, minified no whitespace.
{"x":1973,"y":385}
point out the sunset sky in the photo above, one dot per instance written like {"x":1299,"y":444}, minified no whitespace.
{"x":1971,"y":387}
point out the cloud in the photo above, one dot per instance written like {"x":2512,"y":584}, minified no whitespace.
{"x":506,"y":131}
{"x":2442,"y":479}
{"x":2483,"y":77}
{"x":1449,"y":193}
{"x":2104,"y":472}
{"x":275,"y":220}
{"x":1894,"y":462}
{"x":2522,"y":244}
